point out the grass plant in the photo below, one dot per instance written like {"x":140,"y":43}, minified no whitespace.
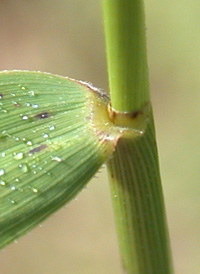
{"x":56,"y":132}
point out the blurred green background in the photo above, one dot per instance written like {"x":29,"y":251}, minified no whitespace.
{"x":66,"y":37}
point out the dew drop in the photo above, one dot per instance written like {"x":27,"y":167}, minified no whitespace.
{"x":45,"y":135}
{"x":23,"y":167}
{"x":35,"y":190}
{"x":31,"y":92}
{"x":11,"y":201}
{"x":4,"y":111}
{"x":29,"y":143}
{"x":3,"y":154}
{"x":2,"y":171}
{"x":25,"y":117}
{"x":2,"y":183}
{"x":19,"y":156}
{"x":13,"y":188}
{"x":51,"y":127}
{"x":56,"y":158}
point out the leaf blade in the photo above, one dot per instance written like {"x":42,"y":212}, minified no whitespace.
{"x":51,"y":143}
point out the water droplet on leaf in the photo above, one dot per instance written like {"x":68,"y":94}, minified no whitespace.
{"x":35,"y":190}
{"x":31,"y":92}
{"x":2,"y":183}
{"x":3,"y":154}
{"x":29,"y":143}
{"x":18,"y":156}
{"x":56,"y":158}
{"x":51,"y":127}
{"x":23,"y":167}
{"x":45,"y":135}
{"x":2,"y":171}
{"x":13,"y":188}
{"x":25,"y":117}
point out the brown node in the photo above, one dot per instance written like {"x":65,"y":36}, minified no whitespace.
{"x":134,"y":122}
{"x":135,"y":114}
{"x":130,"y":115}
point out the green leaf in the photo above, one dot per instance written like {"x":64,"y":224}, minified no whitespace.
{"x":55,"y":133}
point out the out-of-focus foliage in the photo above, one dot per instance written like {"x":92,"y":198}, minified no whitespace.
{"x":66,"y":37}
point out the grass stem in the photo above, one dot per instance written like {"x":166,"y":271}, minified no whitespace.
{"x":134,"y":169}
